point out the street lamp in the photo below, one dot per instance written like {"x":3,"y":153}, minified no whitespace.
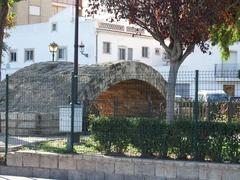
{"x":82,"y":48}
{"x":53,"y":48}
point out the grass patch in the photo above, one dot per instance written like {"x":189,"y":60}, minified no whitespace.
{"x":60,"y":146}
{"x":87,"y":145}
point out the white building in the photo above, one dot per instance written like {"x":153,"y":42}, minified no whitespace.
{"x":106,"y":42}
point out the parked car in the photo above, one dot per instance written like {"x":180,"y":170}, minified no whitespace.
{"x":212,"y":96}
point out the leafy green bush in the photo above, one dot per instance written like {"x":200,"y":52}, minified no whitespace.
{"x":180,"y":138}
{"x":112,"y":134}
{"x":204,"y":141}
{"x":149,"y":136}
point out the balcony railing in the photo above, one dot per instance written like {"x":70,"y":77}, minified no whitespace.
{"x":227,"y":70}
{"x":69,"y":2}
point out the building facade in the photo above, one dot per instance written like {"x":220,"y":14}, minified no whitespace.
{"x":107,"y":42}
{"x":39,"y":11}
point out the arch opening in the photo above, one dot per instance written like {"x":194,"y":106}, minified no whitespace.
{"x":129,"y":98}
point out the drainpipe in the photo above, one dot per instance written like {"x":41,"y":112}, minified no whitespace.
{"x":96,"y":47}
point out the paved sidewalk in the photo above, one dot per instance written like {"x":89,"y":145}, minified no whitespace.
{"x":3,"y":177}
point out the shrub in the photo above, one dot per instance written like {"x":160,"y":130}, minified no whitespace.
{"x":180,"y":138}
{"x":111,"y":133}
{"x":211,"y":141}
{"x":149,"y":136}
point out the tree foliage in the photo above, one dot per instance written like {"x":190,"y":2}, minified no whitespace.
{"x":184,"y":21}
{"x":228,"y":33}
{"x":178,"y":25}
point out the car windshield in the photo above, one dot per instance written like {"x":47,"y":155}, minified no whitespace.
{"x":217,"y":97}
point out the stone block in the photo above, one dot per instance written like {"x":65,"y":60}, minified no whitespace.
{"x":168,"y":170}
{"x":49,"y":161}
{"x":76,"y":175}
{"x":3,"y":116}
{"x":8,"y":170}
{"x":87,"y":156}
{"x":124,"y":167}
{"x":14,"y":159}
{"x":23,"y":171}
{"x":41,"y":173}
{"x":13,"y":116}
{"x":26,"y":124}
{"x":31,"y":159}
{"x":104,"y":166}
{"x":187,"y":172}
{"x":133,"y":177}
{"x":67,"y":162}
{"x":114,"y":177}
{"x":214,"y":174}
{"x":86,"y":165}
{"x":46,"y":117}
{"x":59,"y":174}
{"x":142,"y":168}
{"x":154,"y":178}
{"x":203,"y":173}
{"x":27,"y":116}
{"x":230,"y":175}
{"x":11,"y":124}
{"x":94,"y":176}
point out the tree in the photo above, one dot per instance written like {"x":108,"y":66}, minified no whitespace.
{"x":6,"y":21}
{"x":228,"y":33}
{"x":178,"y":25}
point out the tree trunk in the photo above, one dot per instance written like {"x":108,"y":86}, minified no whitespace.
{"x":3,"y":19}
{"x":172,"y":78}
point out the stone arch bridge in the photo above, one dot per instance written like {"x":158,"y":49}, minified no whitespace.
{"x":125,"y":86}
{"x":38,"y":91}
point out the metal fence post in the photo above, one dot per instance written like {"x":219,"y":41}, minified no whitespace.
{"x":196,"y":114}
{"x":6,"y":119}
{"x":73,"y":92}
{"x":196,"y":104}
{"x":71,"y":134}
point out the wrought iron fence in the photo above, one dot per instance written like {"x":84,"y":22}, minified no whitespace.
{"x":37,"y":113}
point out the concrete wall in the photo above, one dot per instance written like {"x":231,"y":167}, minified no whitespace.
{"x":99,"y":167}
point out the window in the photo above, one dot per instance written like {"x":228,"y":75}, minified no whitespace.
{"x":13,"y":56}
{"x":145,"y":52}
{"x":122,"y":54}
{"x":183,"y":90}
{"x":62,"y":53}
{"x":29,"y":54}
{"x":35,"y":10}
{"x":130,"y":54}
{"x":157,"y":51}
{"x":54,"y":27}
{"x":106,"y":47}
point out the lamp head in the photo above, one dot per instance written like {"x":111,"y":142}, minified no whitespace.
{"x":53,"y":47}
{"x":82,"y":47}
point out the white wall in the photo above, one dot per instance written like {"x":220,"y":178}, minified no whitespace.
{"x":128,"y":41}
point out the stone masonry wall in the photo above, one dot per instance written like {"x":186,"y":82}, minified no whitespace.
{"x":24,"y":124}
{"x":99,"y":167}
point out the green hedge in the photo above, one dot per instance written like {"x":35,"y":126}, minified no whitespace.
{"x":204,"y":141}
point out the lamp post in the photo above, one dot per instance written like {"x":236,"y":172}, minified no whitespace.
{"x":53,"y":48}
{"x":74,"y":80}
{"x":82,"y":48}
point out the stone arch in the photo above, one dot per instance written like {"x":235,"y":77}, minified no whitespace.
{"x":145,"y":84}
{"x":51,"y":84}
{"x":97,"y":79}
